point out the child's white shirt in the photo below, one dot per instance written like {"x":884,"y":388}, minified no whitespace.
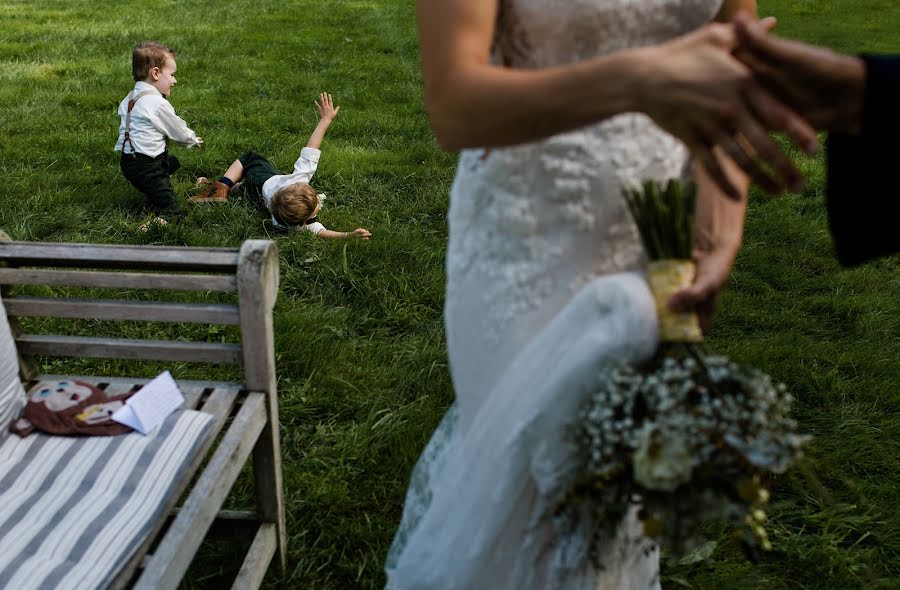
{"x":153,"y":119}
{"x":304,"y":168}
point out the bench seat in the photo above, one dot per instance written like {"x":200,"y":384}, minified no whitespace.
{"x":74,"y":509}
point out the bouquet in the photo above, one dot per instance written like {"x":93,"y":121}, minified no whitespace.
{"x":690,"y":436}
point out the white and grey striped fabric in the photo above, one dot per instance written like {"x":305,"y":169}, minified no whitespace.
{"x":74,"y":509}
{"x":12,"y":396}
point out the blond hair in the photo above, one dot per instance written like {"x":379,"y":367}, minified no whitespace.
{"x":148,"y":55}
{"x":294,"y":204}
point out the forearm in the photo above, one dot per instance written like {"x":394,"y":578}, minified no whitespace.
{"x":470,"y":107}
{"x":318,"y":134}
{"x":719,"y":222}
{"x":176,"y":129}
{"x":333,"y":235}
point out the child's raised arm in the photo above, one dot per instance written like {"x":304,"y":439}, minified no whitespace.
{"x":327,"y":113}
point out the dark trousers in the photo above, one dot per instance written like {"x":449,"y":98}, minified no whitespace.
{"x":151,"y":176}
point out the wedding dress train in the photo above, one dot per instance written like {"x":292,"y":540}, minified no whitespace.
{"x":544,"y":289}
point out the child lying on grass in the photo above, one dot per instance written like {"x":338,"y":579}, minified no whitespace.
{"x":290,"y":199}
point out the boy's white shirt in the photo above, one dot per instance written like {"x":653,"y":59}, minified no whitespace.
{"x":304,"y":168}
{"x":152,"y":120}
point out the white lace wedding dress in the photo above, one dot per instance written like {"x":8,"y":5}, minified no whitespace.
{"x":543,"y":290}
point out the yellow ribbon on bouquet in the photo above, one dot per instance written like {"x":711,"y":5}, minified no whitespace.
{"x":666,"y":278}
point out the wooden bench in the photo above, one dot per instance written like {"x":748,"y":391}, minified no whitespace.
{"x":245,"y":414}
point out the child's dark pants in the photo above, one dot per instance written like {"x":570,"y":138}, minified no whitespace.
{"x":151,"y":176}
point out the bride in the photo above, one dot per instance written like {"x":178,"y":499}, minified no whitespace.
{"x":544,"y":281}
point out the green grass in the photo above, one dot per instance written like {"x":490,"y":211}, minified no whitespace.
{"x":361,"y":354}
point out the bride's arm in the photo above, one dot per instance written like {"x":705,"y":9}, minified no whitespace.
{"x":691,"y":86}
{"x":472,"y":103}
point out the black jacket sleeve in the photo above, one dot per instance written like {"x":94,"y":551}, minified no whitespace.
{"x":864,"y":171}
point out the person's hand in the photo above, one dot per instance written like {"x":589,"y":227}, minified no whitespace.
{"x":713,"y":269}
{"x":326,"y":108}
{"x":360,"y":234}
{"x":697,"y":90}
{"x":199,"y":142}
{"x":824,"y":87}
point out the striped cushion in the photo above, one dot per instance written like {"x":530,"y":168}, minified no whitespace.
{"x":11,"y":393}
{"x":73,"y":510}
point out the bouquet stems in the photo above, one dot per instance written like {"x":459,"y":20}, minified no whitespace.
{"x":665,"y":219}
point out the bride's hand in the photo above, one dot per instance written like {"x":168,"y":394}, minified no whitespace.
{"x":694,"y":88}
{"x":718,"y":229}
{"x":713,"y":270}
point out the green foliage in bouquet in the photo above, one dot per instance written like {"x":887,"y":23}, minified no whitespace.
{"x":665,"y":218}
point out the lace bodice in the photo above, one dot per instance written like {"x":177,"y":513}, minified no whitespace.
{"x":531,"y":224}
{"x":542,"y":33}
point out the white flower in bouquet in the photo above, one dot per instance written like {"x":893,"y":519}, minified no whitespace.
{"x":662,"y":460}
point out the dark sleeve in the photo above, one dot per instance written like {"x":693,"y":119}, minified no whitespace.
{"x":863,"y":191}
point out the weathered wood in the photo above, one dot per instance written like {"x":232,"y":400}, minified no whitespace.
{"x":28,"y":368}
{"x":104,"y":309}
{"x":123,"y":348}
{"x":118,"y":280}
{"x":257,"y":292}
{"x":258,"y":558}
{"x":174,"y":553}
{"x":119,"y":256}
{"x":223,"y":398}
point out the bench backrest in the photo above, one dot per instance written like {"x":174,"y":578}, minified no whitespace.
{"x":251,"y":272}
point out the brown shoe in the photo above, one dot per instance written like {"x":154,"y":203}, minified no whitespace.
{"x":216,"y":193}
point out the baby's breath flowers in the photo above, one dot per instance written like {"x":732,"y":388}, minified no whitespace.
{"x":689,"y":437}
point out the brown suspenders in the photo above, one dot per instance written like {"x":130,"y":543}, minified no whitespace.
{"x":131,"y":103}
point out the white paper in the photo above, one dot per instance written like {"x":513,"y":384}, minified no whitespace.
{"x":146,"y":409}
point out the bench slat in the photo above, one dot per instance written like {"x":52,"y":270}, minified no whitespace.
{"x":119,"y":256}
{"x":118,"y":280}
{"x":253,"y":570}
{"x":100,"y":309}
{"x":123,"y":348}
{"x":174,"y":553}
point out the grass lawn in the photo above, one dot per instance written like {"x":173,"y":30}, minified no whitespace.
{"x":361,"y":354}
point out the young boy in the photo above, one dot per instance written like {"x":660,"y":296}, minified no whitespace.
{"x":147,"y":120}
{"x":290,"y":199}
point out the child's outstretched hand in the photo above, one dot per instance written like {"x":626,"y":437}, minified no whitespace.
{"x":360,"y":234}
{"x":325,"y":105}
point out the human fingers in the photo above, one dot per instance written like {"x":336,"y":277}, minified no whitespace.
{"x":753,"y":36}
{"x":690,"y":297}
{"x":701,"y":298}
{"x":744,"y":155}
{"x":719,"y":34}
{"x":708,"y":153}
{"x":760,"y":146}
{"x":776,"y":116}
{"x":337,"y":110}
{"x":768,"y":23}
